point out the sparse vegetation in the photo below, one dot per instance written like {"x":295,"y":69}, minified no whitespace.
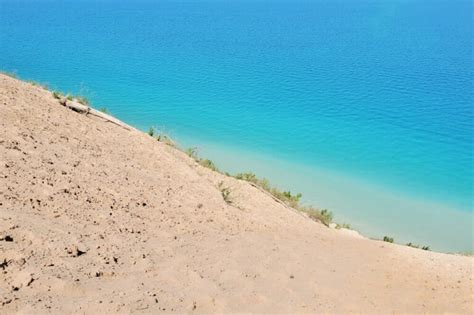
{"x":292,"y":200}
{"x":324,"y":216}
{"x":251,"y":177}
{"x":418,"y":246}
{"x":69,"y":97}
{"x":165,"y":139}
{"x":83,"y":100}
{"x":388,"y":239}
{"x":287,"y":197}
{"x":151,"y":132}
{"x":343,"y":226}
{"x":192,"y":152}
{"x":209,"y":164}
{"x":57,"y":95}
{"x":104,"y":110}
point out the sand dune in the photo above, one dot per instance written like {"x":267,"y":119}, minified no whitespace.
{"x":97,"y":218}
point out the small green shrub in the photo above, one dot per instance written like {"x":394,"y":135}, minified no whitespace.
{"x":250,"y":177}
{"x":151,"y":132}
{"x":324,"y":216}
{"x":286,"y":197}
{"x":418,"y":246}
{"x":192,"y":152}
{"x":69,"y":97}
{"x":82,"y":100}
{"x":57,"y":95}
{"x":343,"y":226}
{"x":104,"y":110}
{"x":166,"y":140}
{"x":209,"y":164}
{"x":388,"y":239}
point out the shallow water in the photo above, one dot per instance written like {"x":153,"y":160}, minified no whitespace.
{"x":364,"y":106}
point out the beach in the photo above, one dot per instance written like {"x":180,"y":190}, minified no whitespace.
{"x":364,"y":107}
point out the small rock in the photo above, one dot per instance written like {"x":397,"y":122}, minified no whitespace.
{"x":23,"y":279}
{"x":77,"y":250}
{"x":7,"y":238}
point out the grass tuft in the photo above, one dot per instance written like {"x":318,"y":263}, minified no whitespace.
{"x":418,"y":246}
{"x":57,"y":95}
{"x":343,"y":226}
{"x":209,"y":164}
{"x":388,"y":239}
{"x":324,"y":216}
{"x":82,"y":100}
{"x":151,"y":132}
{"x":192,"y":152}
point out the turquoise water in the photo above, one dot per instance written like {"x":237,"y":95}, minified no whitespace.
{"x":364,"y":106}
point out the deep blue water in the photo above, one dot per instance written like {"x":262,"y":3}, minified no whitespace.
{"x":366,"y":106}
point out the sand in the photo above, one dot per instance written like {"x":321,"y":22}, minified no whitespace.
{"x":97,"y":218}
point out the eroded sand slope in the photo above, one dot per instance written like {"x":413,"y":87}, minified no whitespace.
{"x":104,"y":219}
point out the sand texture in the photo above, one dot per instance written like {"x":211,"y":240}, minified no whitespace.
{"x":97,"y":218}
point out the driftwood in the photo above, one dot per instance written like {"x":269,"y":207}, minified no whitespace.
{"x":84,"y":109}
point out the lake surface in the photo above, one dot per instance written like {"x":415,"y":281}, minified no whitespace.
{"x":366,"y":107}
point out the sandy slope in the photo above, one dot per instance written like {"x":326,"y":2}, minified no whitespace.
{"x":105,"y":219}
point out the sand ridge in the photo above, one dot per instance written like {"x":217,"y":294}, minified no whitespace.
{"x":103,"y":219}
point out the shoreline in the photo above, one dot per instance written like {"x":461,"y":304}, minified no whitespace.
{"x":371,"y":225}
{"x":363,"y":225}
{"x":91,"y":208}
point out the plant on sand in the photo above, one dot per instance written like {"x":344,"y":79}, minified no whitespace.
{"x":343,"y":226}
{"x":57,"y":95}
{"x":192,"y":152}
{"x":388,"y":239}
{"x":82,"y":99}
{"x":324,"y":216}
{"x":151,"y":132}
{"x":209,"y":164}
